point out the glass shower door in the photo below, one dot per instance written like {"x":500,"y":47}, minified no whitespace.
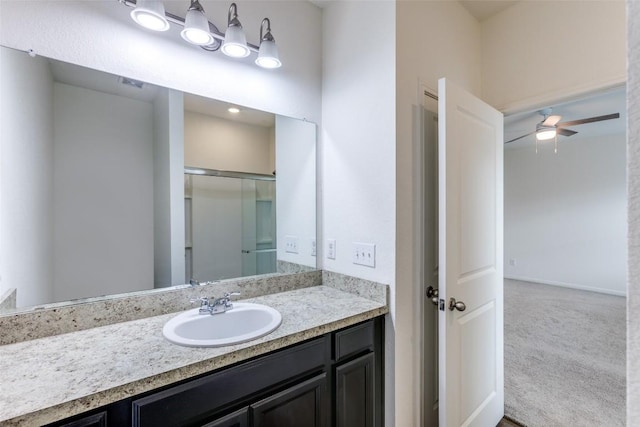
{"x":258,"y":227}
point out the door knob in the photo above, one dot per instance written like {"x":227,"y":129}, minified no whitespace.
{"x":432,"y":294}
{"x":458,"y":305}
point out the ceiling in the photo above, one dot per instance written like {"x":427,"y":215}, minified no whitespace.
{"x":87,"y":78}
{"x":612,"y":101}
{"x":484,"y":9}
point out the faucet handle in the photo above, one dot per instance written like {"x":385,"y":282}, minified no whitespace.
{"x":204,"y":301}
{"x":231,"y":294}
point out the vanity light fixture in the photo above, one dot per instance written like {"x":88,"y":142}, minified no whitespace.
{"x":196,"y":26}
{"x":150,"y":14}
{"x":198,"y":30}
{"x":235,"y":42}
{"x":268,"y":53}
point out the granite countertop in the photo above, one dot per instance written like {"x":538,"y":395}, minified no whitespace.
{"x":48,"y":379}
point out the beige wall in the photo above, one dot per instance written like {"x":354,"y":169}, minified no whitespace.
{"x":538,"y":52}
{"x":214,"y":143}
{"x":434,"y":40}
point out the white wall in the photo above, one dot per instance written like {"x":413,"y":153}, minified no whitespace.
{"x":434,"y":40}
{"x":295,"y":195}
{"x":168,"y":191}
{"x":565,"y":214}
{"x":633,"y":179}
{"x":102,"y":193}
{"x":215,"y":143}
{"x":26,"y":177}
{"x":357,"y":155}
{"x":537,"y":52}
{"x":110,"y":41}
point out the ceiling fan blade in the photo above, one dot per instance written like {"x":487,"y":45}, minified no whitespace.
{"x":520,"y":137}
{"x":551,"y":120}
{"x":589,"y":120}
{"x":565,"y":132}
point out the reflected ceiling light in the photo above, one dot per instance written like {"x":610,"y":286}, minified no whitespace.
{"x":150,"y":14}
{"x":268,"y":53}
{"x":235,"y":42}
{"x":196,"y":26}
{"x":233,"y":110}
{"x":545,"y":133}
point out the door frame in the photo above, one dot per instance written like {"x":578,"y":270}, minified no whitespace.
{"x":418,"y":150}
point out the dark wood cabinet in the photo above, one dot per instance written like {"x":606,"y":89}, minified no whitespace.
{"x":237,"y":419}
{"x":303,"y":405}
{"x":331,"y":380}
{"x":93,"y":420}
{"x":355,"y":392}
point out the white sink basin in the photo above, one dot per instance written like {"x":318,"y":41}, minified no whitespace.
{"x":244,"y":322}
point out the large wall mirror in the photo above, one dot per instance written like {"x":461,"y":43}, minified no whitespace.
{"x":110,"y":185}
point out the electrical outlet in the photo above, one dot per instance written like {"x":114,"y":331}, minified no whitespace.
{"x":331,"y":248}
{"x":512,"y":262}
{"x":291,"y":244}
{"x":313,"y":247}
{"x":364,"y":254}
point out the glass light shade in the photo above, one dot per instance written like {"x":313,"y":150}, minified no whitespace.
{"x":150,"y":14}
{"x":235,"y":42}
{"x":196,"y":28}
{"x":268,"y":55}
{"x":545,"y":134}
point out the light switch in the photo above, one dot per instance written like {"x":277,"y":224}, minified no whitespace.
{"x":364,"y":254}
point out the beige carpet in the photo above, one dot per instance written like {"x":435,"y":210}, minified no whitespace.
{"x":564,"y":354}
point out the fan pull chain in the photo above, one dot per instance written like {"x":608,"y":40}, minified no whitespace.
{"x":556,"y":144}
{"x":536,"y":145}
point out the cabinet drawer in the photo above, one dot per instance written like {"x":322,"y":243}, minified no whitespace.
{"x":353,"y":340}
{"x":95,"y":420}
{"x":199,"y":399}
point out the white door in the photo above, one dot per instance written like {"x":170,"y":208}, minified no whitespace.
{"x":471,"y":374}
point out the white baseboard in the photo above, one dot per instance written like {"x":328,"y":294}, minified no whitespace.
{"x":569,"y":285}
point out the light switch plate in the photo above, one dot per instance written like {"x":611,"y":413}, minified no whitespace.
{"x":331,"y":248}
{"x":364,"y":254}
{"x":291,"y":244}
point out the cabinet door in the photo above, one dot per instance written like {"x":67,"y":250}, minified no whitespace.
{"x":355,"y":392}
{"x":237,"y":419}
{"x":302,"y":405}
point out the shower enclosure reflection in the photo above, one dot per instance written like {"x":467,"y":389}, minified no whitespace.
{"x":230,"y":225}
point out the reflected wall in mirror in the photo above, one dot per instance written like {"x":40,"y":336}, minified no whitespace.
{"x":110,"y":185}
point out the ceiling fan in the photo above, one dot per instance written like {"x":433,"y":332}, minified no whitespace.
{"x":550,"y":126}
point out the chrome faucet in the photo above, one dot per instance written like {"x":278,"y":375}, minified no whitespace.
{"x":219,"y":305}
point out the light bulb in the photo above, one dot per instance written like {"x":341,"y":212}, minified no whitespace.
{"x":150,"y":14}
{"x":196,"y":26}
{"x":546,"y":134}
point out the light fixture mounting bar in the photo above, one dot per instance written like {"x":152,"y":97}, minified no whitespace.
{"x":178,"y":20}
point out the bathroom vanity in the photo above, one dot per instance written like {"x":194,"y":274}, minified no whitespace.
{"x":322,"y":367}
{"x":334,"y":379}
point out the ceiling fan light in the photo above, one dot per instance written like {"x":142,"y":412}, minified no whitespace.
{"x":545,"y":134}
{"x":196,"y":26}
{"x":150,"y":14}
